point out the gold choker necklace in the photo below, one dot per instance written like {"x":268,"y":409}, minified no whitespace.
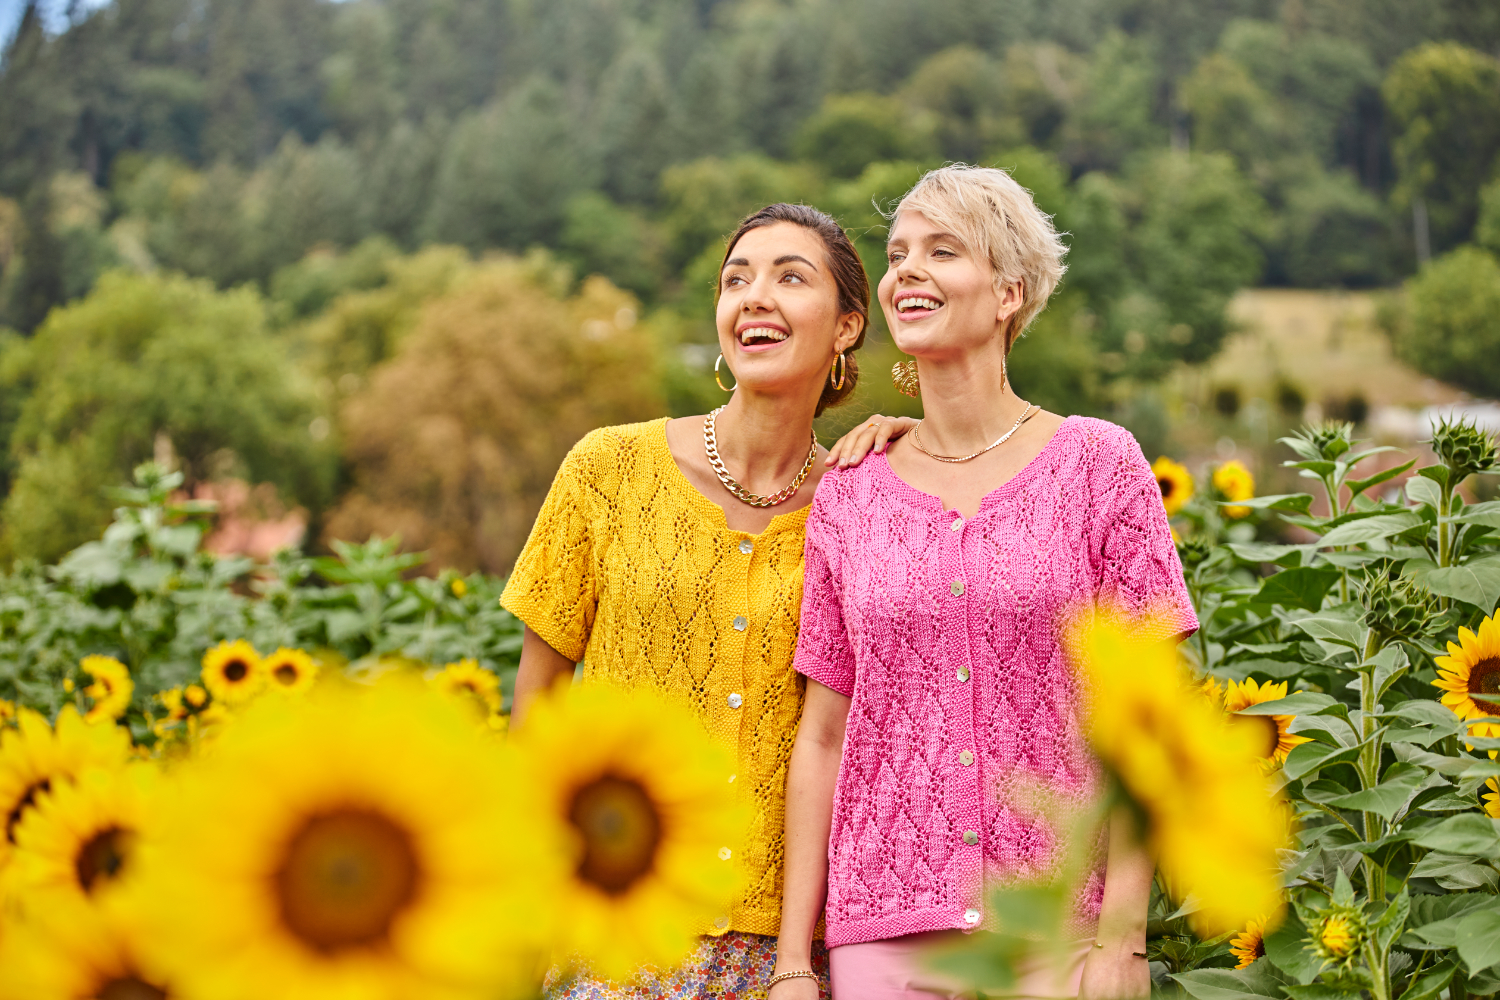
{"x":740,"y":493}
{"x":1026,"y":414}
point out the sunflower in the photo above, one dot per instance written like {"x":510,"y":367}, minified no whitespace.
{"x":1492,"y":798}
{"x":80,"y":841}
{"x":290,"y":670}
{"x":476,"y":688}
{"x":1196,"y":779}
{"x":35,"y":758}
{"x":459,"y":587}
{"x":645,"y":802}
{"x":1470,"y":676}
{"x":7,"y":712}
{"x":1270,"y":731}
{"x":232,"y":671}
{"x":1176,"y":483}
{"x":1213,"y":691}
{"x":358,"y":842}
{"x":1250,"y":943}
{"x":111,"y":690}
{"x":1234,"y":481}
{"x":72,"y":951}
{"x":1338,"y":933}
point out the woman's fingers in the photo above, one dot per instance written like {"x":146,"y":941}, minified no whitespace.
{"x":890,"y":429}
{"x":857,"y":443}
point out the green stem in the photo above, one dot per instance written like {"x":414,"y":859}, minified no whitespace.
{"x":1370,"y":765}
{"x":1445,"y":543}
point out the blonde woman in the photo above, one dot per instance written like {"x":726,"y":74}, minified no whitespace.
{"x":668,"y":554}
{"x":940,"y":577}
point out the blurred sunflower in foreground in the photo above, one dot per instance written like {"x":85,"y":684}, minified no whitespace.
{"x":1269,"y":733}
{"x":362,"y":842}
{"x":1469,"y":676}
{"x":1196,"y":779}
{"x":70,"y":952}
{"x":645,"y":801}
{"x":1234,"y":482}
{"x":35,"y":758}
{"x":1175,"y":481}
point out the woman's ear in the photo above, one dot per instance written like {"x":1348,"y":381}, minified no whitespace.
{"x":1011,"y":298}
{"x":851,"y":325}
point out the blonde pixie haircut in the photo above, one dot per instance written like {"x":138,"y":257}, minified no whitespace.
{"x":996,"y":218}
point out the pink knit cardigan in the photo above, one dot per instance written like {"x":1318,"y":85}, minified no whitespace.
{"x":946,"y":633}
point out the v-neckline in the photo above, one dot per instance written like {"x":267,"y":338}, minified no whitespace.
{"x":710,"y":511}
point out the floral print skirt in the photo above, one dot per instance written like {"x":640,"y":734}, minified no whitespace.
{"x":735,"y":966}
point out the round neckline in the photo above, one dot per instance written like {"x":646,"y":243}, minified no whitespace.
{"x":705,"y":507}
{"x":998,"y":494}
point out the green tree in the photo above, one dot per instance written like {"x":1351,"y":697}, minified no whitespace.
{"x":147,"y":363}
{"x":508,"y":172}
{"x":455,"y":441}
{"x":1450,"y":327}
{"x":1444,"y":100}
{"x":600,"y":237}
{"x":851,"y":131}
{"x":962,"y":89}
{"x":703,"y":200}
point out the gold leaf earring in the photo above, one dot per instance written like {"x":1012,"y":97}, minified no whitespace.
{"x":726,"y":388}
{"x":904,"y":374}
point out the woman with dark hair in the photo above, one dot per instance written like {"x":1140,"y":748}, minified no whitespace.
{"x":725,"y":497}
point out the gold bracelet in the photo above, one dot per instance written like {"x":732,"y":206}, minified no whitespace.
{"x":799,"y":974}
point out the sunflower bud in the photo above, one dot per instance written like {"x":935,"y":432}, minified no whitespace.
{"x":1338,"y":934}
{"x":1463,"y":448}
{"x":1193,"y":551}
{"x":1399,"y":609}
{"x":1331,"y":438}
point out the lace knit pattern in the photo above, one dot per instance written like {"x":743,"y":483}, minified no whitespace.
{"x":947,"y":634}
{"x":634,"y":572}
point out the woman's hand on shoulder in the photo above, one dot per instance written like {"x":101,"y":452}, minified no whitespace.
{"x":872,"y":435}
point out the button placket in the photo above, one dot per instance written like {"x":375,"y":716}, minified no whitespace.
{"x":958,"y":697}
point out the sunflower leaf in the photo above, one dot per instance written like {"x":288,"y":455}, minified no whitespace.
{"x":1370,"y":528}
{"x":1264,"y":552}
{"x":1231,"y":984}
{"x":1300,"y":703}
{"x":1467,"y":833}
{"x":1393,"y":921}
{"x":1297,"y":588}
{"x":1286,"y":948}
{"x":1358,"y":486}
{"x":1433,"y":983}
{"x":1482,"y":769}
{"x":1309,"y":758}
{"x":1337,"y":629}
{"x":1401,"y":781}
{"x":1296,"y":503}
{"x":1422,"y":490}
{"x":1456,"y":872}
{"x":1478,"y":939}
{"x":1476,"y":582}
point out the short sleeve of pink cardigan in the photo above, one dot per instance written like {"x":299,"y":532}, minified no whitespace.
{"x":824,"y":652}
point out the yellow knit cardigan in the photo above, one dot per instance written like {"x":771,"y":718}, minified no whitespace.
{"x":633,"y":571}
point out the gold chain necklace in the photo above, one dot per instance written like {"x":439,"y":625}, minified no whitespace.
{"x":711,"y":445}
{"x":1026,"y":414}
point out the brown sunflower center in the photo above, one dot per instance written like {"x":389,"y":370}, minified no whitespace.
{"x":236,"y":671}
{"x":1484,"y":679}
{"x":285,"y":674}
{"x":102,"y":855}
{"x":345,"y":878}
{"x":1263,"y":729}
{"x":1260,"y":947}
{"x":130,"y":988}
{"x":25,"y":802}
{"x":621,"y":830}
{"x":1167,"y":487}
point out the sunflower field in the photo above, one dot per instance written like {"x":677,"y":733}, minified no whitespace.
{"x":228,"y":780}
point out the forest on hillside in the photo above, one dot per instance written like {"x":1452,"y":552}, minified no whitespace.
{"x":243,"y":233}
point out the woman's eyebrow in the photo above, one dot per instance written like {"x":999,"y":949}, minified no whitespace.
{"x":789,"y":257}
{"x":737,"y":262}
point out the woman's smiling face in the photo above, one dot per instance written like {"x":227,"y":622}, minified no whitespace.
{"x":938,"y":295}
{"x":778,"y":313}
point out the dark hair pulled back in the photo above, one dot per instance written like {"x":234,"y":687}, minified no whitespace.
{"x":848,"y":275}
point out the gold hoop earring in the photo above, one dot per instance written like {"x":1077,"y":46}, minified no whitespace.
{"x":904,"y":374}
{"x":840,"y":365}
{"x":726,"y":388}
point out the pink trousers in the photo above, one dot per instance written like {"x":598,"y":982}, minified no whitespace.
{"x":896,"y":969}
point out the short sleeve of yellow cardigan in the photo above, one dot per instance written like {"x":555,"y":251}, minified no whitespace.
{"x":552,"y":588}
